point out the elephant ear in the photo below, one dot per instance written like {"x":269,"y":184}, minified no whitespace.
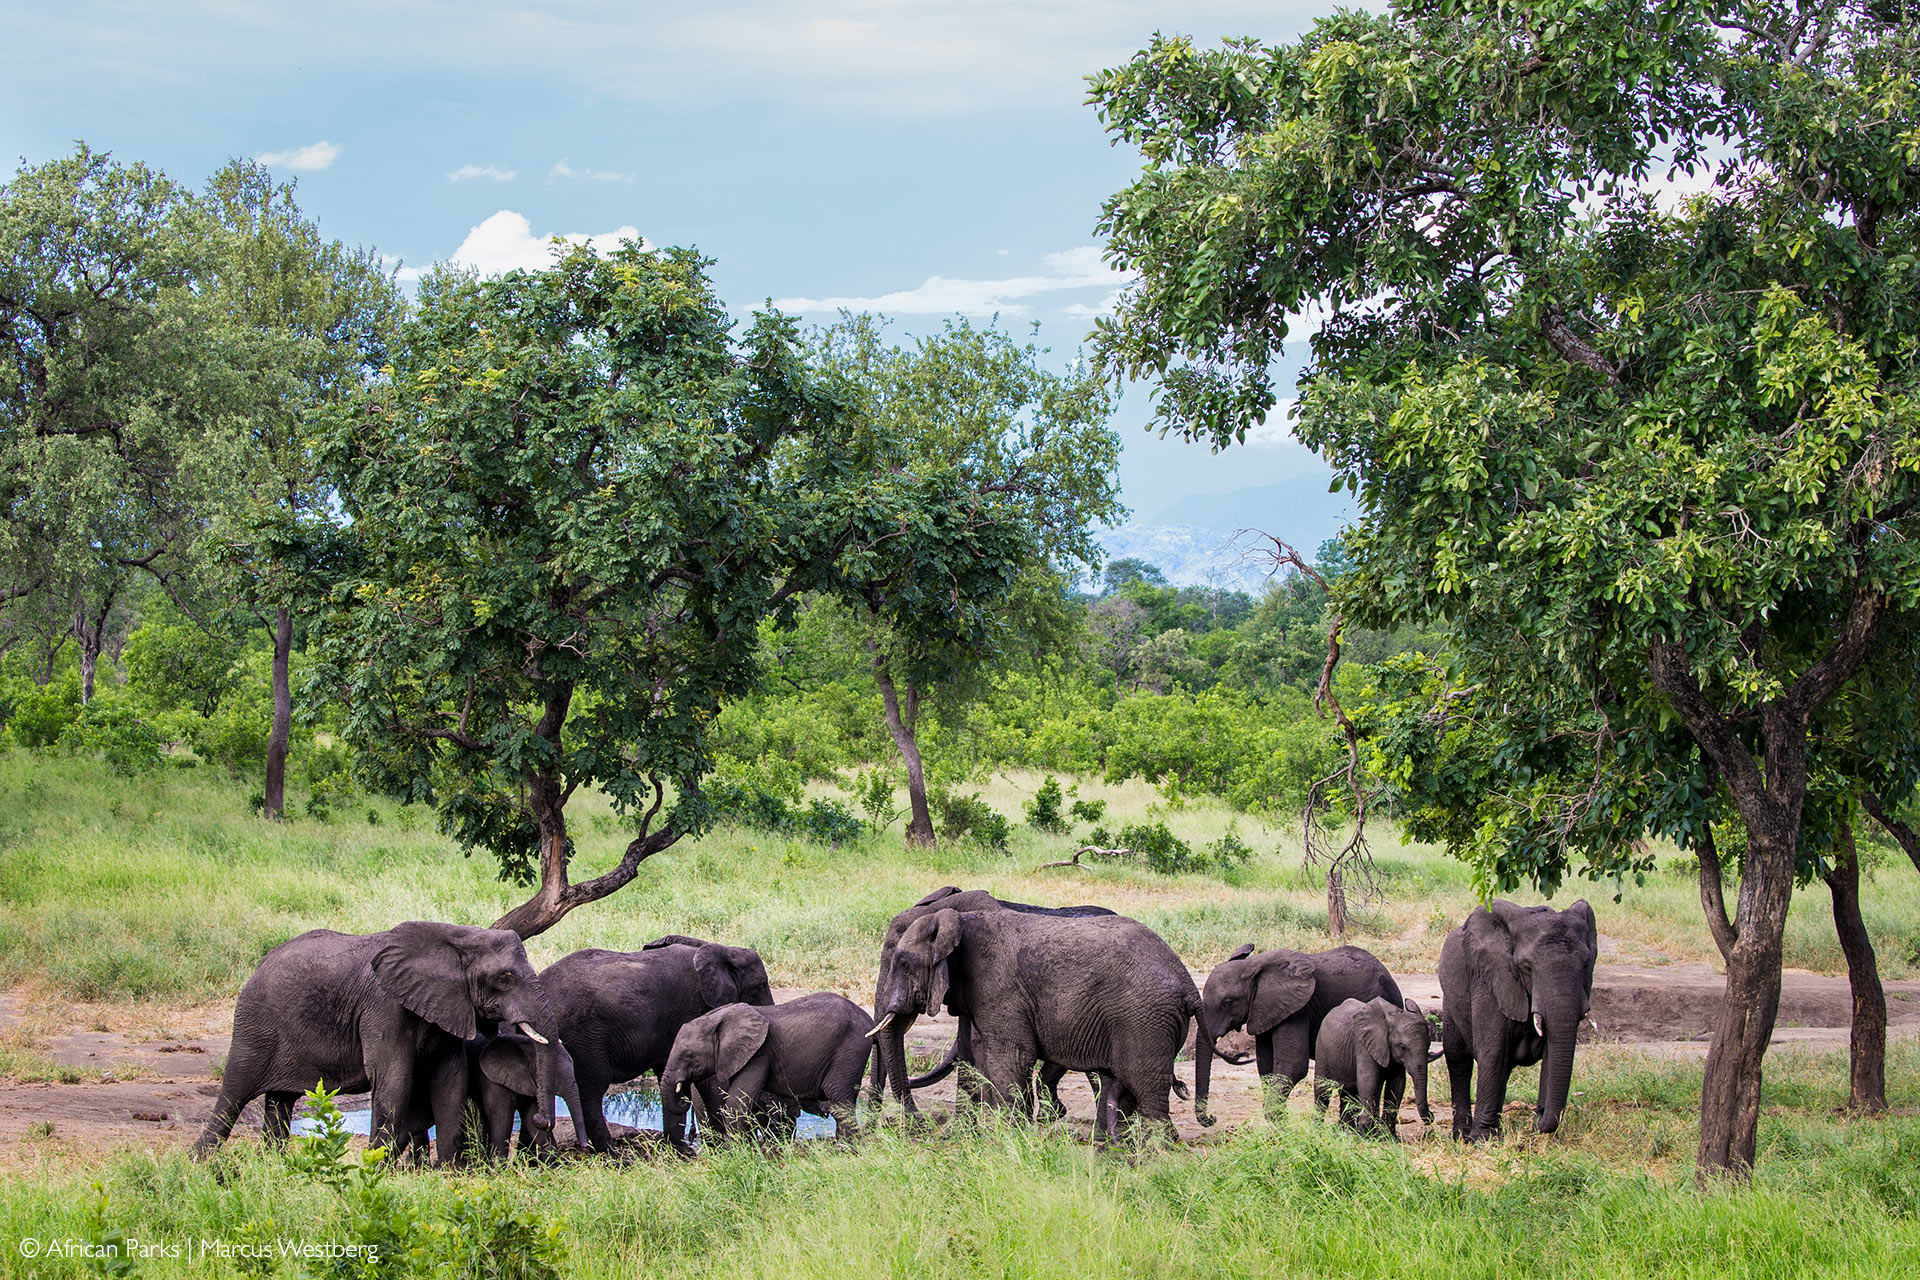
{"x":718,"y":983}
{"x":508,"y":1062}
{"x":1281,"y":989}
{"x":1492,"y":949}
{"x":1370,"y":1029}
{"x":675,"y":940}
{"x":936,"y":895}
{"x":423,"y":966}
{"x":742,"y":1032}
{"x":1246,"y":949}
{"x":945,"y":940}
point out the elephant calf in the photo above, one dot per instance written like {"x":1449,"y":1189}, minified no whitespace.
{"x":755,"y":1063}
{"x":1367,"y":1051}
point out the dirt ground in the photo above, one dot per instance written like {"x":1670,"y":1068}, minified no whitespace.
{"x":140,"y":1075}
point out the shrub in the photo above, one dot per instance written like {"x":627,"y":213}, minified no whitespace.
{"x":1044,"y":811}
{"x":115,"y":731}
{"x":1088,"y":810}
{"x":1229,"y":850}
{"x":39,"y":714}
{"x":766,"y":795}
{"x":1159,"y":848}
{"x":969,"y":818}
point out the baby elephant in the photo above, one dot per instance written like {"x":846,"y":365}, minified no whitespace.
{"x":754,"y":1063}
{"x":1365,"y":1053}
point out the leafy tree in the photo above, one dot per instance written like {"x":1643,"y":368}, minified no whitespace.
{"x":309,"y":319}
{"x":979,"y":476}
{"x":1656,"y":465}
{"x":1124,"y":572}
{"x":566,"y":526}
{"x":110,"y":391}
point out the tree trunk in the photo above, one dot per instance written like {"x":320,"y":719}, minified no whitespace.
{"x":1730,"y":1096}
{"x":276,"y":790}
{"x":900,"y":725}
{"x":1867,"y":1046}
{"x":1336,"y":904}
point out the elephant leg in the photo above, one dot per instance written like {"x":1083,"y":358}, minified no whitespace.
{"x":1325,"y":1090}
{"x":593,"y":1101}
{"x":239,"y":1085}
{"x":1362,"y":1111}
{"x":1491,"y":1042}
{"x":1390,"y":1099}
{"x":1143,"y":1091}
{"x":1006,"y":1071}
{"x":1050,"y":1078}
{"x":277,"y":1118}
{"x":1459,"y":1053}
{"x":392,"y":1096}
{"x":447,"y":1091}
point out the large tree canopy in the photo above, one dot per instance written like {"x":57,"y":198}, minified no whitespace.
{"x":567,"y":524}
{"x":1655,"y":456}
{"x":976,"y":479}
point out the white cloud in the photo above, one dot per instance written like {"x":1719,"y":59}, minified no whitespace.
{"x":1078,"y":268}
{"x":1277,"y":431}
{"x":505,"y":242}
{"x":1105,"y":307}
{"x":491,"y":172}
{"x":308,"y":159}
{"x":565,"y":170}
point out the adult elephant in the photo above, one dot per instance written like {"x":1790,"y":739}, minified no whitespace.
{"x":890,"y":1054}
{"x":1281,"y":996}
{"x":386,"y":1012}
{"x":1101,"y":994}
{"x":1516,"y":982}
{"x":619,"y":1011}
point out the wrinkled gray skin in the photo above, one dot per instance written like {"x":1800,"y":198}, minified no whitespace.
{"x":1281,"y":996}
{"x":764,"y":1063}
{"x":890,"y":1056}
{"x":502,"y":1076}
{"x":1516,"y":982}
{"x":619,"y":1011}
{"x":1101,"y":994}
{"x":1366,"y":1052}
{"x":389,"y":1012}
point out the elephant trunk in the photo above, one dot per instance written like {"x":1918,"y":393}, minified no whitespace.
{"x":674,"y":1102}
{"x":893,"y":1041}
{"x":1419,"y":1073}
{"x":569,"y":1086}
{"x":1203,"y":1051}
{"x":947,"y":1063}
{"x":1556,"y":1074}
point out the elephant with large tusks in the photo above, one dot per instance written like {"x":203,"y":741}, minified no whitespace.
{"x":1516,"y":982}
{"x":1281,"y":996}
{"x":890,"y":1056}
{"x":1101,"y":994}
{"x":382,"y":1011}
{"x":619,"y":1011}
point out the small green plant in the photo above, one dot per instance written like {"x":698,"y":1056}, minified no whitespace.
{"x":1157,"y":846}
{"x":1046,"y":811}
{"x":40,"y":1129}
{"x":968,"y":817}
{"x":1229,"y":850}
{"x":106,"y":1253}
{"x":1088,"y":810}
{"x":873,"y":791}
{"x":115,"y":731}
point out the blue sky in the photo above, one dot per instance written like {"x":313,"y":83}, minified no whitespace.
{"x":913,"y":158}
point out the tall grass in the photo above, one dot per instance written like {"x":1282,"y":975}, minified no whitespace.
{"x":168,"y":888}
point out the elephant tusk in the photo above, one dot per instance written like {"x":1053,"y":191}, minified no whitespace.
{"x":527,"y":1030}
{"x":1539,"y":1026}
{"x":879,"y":1026}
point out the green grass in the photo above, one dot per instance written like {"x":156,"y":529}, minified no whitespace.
{"x":1011,"y":1200}
{"x":168,"y":888}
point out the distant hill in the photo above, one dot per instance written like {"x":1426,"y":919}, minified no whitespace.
{"x":1190,"y":556}
{"x":1299,"y":511}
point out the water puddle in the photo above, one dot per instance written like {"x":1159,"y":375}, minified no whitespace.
{"x":635,"y":1108}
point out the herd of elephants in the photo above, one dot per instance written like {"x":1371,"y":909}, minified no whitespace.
{"x":444,"y":1023}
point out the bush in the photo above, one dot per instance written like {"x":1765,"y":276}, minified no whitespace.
{"x":1229,"y":850}
{"x":1159,"y":848}
{"x":118,"y":733}
{"x":1088,"y":810}
{"x":1044,"y":810}
{"x":969,"y":818}
{"x":766,"y":795}
{"x":39,"y":714}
